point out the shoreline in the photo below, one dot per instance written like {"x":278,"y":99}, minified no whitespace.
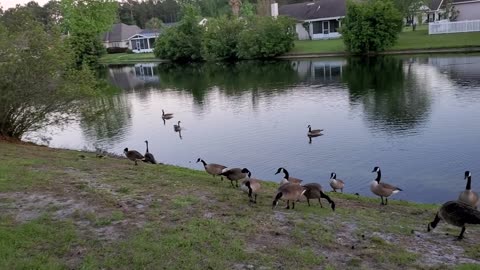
{"x":70,"y":200}
{"x":468,"y":49}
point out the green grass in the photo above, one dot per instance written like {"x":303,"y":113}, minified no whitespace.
{"x":126,"y":58}
{"x":408,"y":40}
{"x":60,"y":211}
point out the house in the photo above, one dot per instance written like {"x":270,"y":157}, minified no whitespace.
{"x":315,"y":20}
{"x":434,"y":10}
{"x":130,"y":37}
{"x":467,"y":9}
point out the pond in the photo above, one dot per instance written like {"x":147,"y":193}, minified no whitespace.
{"x":417,"y":117}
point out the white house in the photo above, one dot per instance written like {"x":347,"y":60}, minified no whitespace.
{"x":467,"y":9}
{"x":315,"y":20}
{"x":130,"y":37}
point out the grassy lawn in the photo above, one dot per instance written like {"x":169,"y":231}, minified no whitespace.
{"x":66,"y":209}
{"x":407,"y":40}
{"x":125,"y":58}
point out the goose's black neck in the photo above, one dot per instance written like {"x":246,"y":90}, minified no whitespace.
{"x":309,"y":129}
{"x":379,"y":176}
{"x":286,"y":175}
{"x":146,"y":142}
{"x":469,"y":183}
{"x":203,"y":161}
{"x":334,"y":176}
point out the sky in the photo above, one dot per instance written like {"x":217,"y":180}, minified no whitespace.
{"x":6,"y":4}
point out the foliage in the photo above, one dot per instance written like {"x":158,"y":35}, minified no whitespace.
{"x":182,"y":42}
{"x":371,"y":26}
{"x":265,"y":37}
{"x":88,"y":16}
{"x":408,"y":8}
{"x":85,"y":20}
{"x":154,"y":23}
{"x":451,"y":13}
{"x":37,"y":86}
{"x":221,"y":38}
{"x":87,"y":49}
{"x":140,"y":12}
{"x":213,"y":8}
{"x":247,"y":10}
{"x":116,"y":50}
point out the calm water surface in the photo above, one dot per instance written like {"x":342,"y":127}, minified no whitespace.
{"x":418,"y":118}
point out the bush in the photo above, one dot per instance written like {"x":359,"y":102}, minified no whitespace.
{"x":87,"y":49}
{"x":116,"y":50}
{"x":371,"y":26}
{"x":220,"y":39}
{"x":183,"y":42}
{"x":266,"y":37}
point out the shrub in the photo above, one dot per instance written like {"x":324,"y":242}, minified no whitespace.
{"x":371,"y":26}
{"x":183,"y":42}
{"x":266,"y":37}
{"x":220,"y":39}
{"x":87,"y":49}
{"x":116,"y":50}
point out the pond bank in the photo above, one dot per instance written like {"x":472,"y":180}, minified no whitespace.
{"x":59,"y":204}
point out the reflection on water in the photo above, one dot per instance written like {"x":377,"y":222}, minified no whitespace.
{"x":415,"y":117}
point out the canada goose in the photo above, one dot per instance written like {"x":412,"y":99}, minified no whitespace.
{"x":314,"y":132}
{"x":166,"y":115}
{"x":251,"y":186}
{"x":287,"y":177}
{"x":133,"y":155}
{"x":235,"y":174}
{"x":212,"y":168}
{"x":336,"y":183}
{"x":177,"y":127}
{"x":289,"y":192}
{"x":468,"y":196}
{"x":315,"y":191}
{"x":382,"y":189}
{"x":148,"y":156}
{"x":457,"y":214}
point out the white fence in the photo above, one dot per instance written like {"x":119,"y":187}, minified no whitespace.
{"x":453,"y":27}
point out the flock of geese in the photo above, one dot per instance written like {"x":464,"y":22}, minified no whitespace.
{"x":459,"y":213}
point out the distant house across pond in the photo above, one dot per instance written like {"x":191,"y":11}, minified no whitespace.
{"x":315,"y":20}
{"x":131,"y":37}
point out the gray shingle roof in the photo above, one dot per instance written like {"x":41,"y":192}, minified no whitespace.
{"x":314,"y":10}
{"x":120,"y":32}
{"x":434,"y":4}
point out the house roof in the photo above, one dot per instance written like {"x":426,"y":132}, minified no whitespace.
{"x":464,"y":1}
{"x":120,"y":32}
{"x":434,"y":4}
{"x":314,"y":10}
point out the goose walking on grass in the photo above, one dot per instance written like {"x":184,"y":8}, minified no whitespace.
{"x":336,"y":183}
{"x":212,"y":168}
{"x":251,"y":186}
{"x":236,"y":174}
{"x":149,"y":158}
{"x":288,"y":192}
{"x":468,"y":196}
{"x":286,"y":177}
{"x":315,"y":191}
{"x":382,"y":189}
{"x":457,"y":214}
{"x":133,"y":155}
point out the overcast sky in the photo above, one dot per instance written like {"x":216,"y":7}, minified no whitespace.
{"x":12,"y":3}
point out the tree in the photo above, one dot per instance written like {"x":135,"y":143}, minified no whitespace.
{"x":371,"y":26}
{"x":154,"y":23}
{"x":221,"y":38}
{"x":37,"y":87}
{"x":266,"y":37}
{"x":85,"y":20}
{"x":409,"y":9}
{"x":183,"y":42}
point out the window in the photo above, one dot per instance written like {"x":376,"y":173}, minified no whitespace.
{"x":334,"y":25}
{"x":317,"y":27}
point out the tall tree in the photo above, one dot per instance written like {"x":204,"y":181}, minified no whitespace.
{"x":409,"y":9}
{"x":85,"y":20}
{"x":154,"y":23}
{"x":37,"y":87}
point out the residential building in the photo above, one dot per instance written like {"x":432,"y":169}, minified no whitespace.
{"x":315,"y":20}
